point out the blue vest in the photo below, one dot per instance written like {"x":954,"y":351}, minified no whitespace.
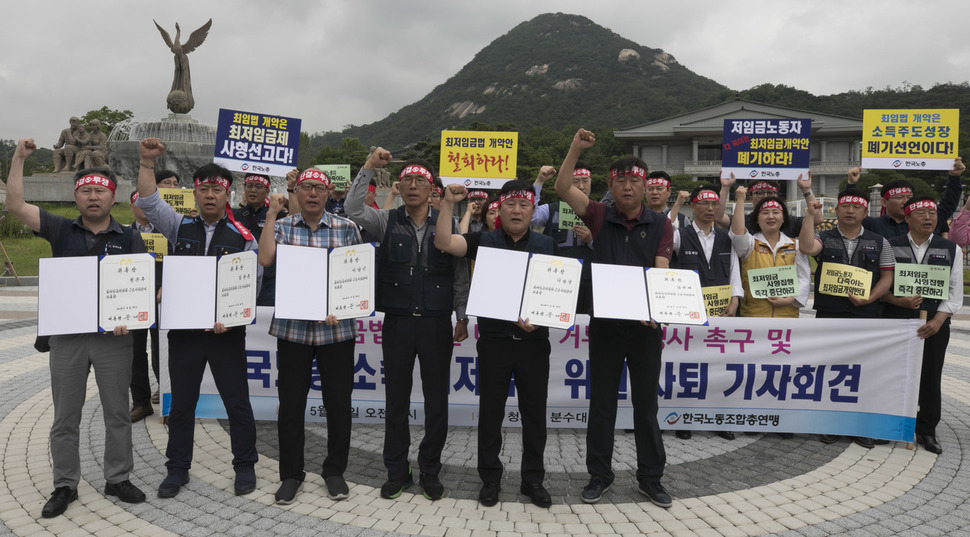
{"x":537,"y":244}
{"x":414,"y":278}
{"x":691,"y":256}
{"x":72,"y":241}
{"x":866,"y":256}
{"x":941,"y":252}
{"x":226,"y":239}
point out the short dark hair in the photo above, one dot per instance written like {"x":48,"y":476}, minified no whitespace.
{"x":212,"y":170}
{"x":774,"y":184}
{"x":423,"y":163}
{"x":372,"y":182}
{"x":515,"y":184}
{"x":582,"y":166}
{"x":659,"y":173}
{"x":626,"y":162}
{"x":898,"y":183}
{"x":97,"y":170}
{"x":698,"y":189}
{"x":757,"y":208}
{"x":162,"y":175}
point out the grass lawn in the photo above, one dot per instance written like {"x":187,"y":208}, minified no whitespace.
{"x":24,"y":251}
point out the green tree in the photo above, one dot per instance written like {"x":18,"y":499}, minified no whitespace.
{"x":304,"y":152}
{"x":108,"y":118}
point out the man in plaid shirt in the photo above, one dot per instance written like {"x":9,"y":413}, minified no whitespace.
{"x":331,"y":342}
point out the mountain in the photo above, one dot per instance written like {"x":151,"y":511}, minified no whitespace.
{"x":553,"y":70}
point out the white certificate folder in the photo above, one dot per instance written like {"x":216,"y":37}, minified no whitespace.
{"x":195,"y":297}
{"x":312,"y":283}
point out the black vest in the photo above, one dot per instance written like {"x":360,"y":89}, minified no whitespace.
{"x":71,"y":241}
{"x":551,"y":229}
{"x":866,"y":256}
{"x":941,"y":252}
{"x":691,"y":256}
{"x":537,"y":244}
{"x":254,"y":220}
{"x":226,"y":239}
{"x":413,"y":278}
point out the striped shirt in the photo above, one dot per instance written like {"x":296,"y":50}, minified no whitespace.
{"x":333,"y":232}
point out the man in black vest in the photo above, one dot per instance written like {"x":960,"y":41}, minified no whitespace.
{"x":573,"y":241}
{"x":418,"y":288}
{"x":922,"y":246}
{"x":252,"y":214}
{"x":95,"y":232}
{"x":707,"y":250}
{"x":214,"y":232}
{"x":625,"y":233}
{"x":849,"y":244}
{"x":506,"y":349}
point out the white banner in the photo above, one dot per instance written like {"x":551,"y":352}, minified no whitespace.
{"x":834,"y":376}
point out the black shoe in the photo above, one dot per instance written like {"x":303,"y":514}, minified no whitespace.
{"x":538,"y":494}
{"x":929,"y":442}
{"x":433,"y":489}
{"x":337,"y":488}
{"x":125,"y":492}
{"x":488,"y":496}
{"x":594,"y":489}
{"x":683,"y":435}
{"x":880,"y":441}
{"x":394,"y":487}
{"x":656,"y":492}
{"x":245,"y":480}
{"x":139,"y":413}
{"x":58,"y":502}
{"x":864,"y":441}
{"x":286,"y":494}
{"x":172,"y":484}
{"x":727,"y":435}
{"x":786,"y":436}
{"x":827,"y":438}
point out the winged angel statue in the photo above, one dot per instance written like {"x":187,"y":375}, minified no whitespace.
{"x":180,"y":98}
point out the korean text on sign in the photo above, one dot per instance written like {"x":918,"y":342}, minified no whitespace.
{"x":257,"y":143}
{"x":910,"y":139}
{"x":478,"y":159}
{"x":765,"y":148}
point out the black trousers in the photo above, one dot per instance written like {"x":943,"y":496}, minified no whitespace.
{"x":611,"y":343}
{"x":499,"y":359}
{"x":189,"y":352}
{"x":931,"y":375}
{"x":335,"y":366}
{"x":141,"y":386}
{"x":430,"y":339}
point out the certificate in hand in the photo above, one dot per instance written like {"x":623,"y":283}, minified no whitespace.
{"x":551,"y":291}
{"x":67,"y":295}
{"x":351,"y":292}
{"x":619,"y":292}
{"x":496,"y":289}
{"x":301,"y":283}
{"x":675,"y":296}
{"x":236,"y":289}
{"x":127,"y":292}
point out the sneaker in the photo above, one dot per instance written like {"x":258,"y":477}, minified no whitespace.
{"x":286,"y":494}
{"x":488,"y":496}
{"x":595,"y":489}
{"x":656,"y":492}
{"x":139,"y":413}
{"x":172,"y":484}
{"x":245,"y":480}
{"x":433,"y":489}
{"x":337,"y":488}
{"x":537,"y":493}
{"x":125,"y":492}
{"x":394,"y":487}
{"x":155,"y":398}
{"x":56,"y":506}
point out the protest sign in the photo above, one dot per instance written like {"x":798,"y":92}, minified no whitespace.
{"x":910,"y":139}
{"x":844,"y":280}
{"x":478,"y":159}
{"x":256,"y":143}
{"x":716,"y":298}
{"x":339,"y":175}
{"x":770,"y":149}
{"x":928,"y":281}
{"x":181,"y":199}
{"x":778,"y":282}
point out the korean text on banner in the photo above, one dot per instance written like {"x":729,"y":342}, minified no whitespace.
{"x":339,"y":175}
{"x":844,"y":280}
{"x":181,"y":199}
{"x":478,"y":159}
{"x":770,"y":149}
{"x":928,"y":281}
{"x":567,"y":217}
{"x":716,"y":298}
{"x":256,"y":143}
{"x":910,"y":139}
{"x":773,"y":282}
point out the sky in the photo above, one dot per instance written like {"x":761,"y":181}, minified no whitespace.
{"x":335,"y":63}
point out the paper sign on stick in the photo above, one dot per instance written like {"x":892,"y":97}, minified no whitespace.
{"x":928,"y":281}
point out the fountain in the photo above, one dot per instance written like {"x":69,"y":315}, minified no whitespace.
{"x":188,"y":145}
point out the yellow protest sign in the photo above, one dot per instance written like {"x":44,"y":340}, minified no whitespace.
{"x":478,"y":159}
{"x":716,"y":298}
{"x":156,"y":243}
{"x":844,"y":280}
{"x":910,"y":139}
{"x":181,"y":199}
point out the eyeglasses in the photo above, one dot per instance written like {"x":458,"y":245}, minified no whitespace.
{"x":415,"y":179}
{"x":706,"y":203}
{"x":309,"y":187}
{"x":253,"y":186}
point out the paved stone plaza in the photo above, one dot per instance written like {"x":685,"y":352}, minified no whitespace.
{"x":754,"y":485}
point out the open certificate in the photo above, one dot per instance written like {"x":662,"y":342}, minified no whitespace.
{"x":236,"y":289}
{"x":351,"y":293}
{"x":551,"y":291}
{"x":675,"y":296}
{"x":127,"y":292}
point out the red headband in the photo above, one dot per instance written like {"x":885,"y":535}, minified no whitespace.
{"x":658,"y":181}
{"x":372,"y":189}
{"x":898,"y":190}
{"x":256,"y":179}
{"x":706,"y":195}
{"x":632,"y":170}
{"x":312,"y":174}
{"x":769,"y":204}
{"x":582,"y":172}
{"x":420,"y":170}
{"x":915,"y":206}
{"x":854,"y":200}
{"x":134,"y":197}
{"x":763,"y":185}
{"x":493,"y":206}
{"x":512,"y":194}
{"x":478,"y":194}
{"x":95,"y":180}
{"x":217,"y":180}
{"x":438,"y":190}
